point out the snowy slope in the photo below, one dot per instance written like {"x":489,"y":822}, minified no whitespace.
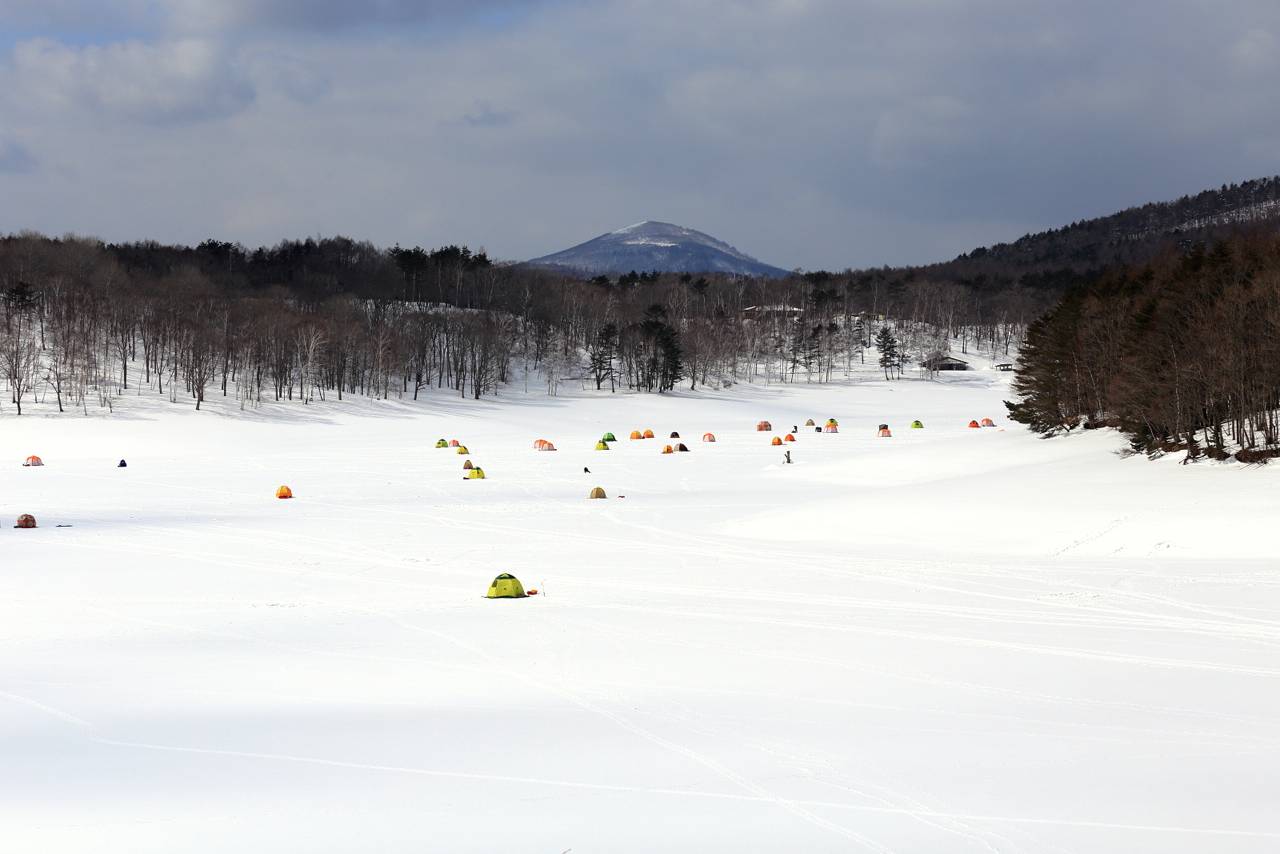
{"x":647,"y":246}
{"x":952,"y":640}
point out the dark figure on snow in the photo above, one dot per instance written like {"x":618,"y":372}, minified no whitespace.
{"x":788,"y":458}
{"x":794,"y":429}
{"x":586,"y":470}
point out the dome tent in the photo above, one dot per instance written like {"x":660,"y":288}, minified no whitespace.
{"x":668,"y":450}
{"x":122,"y":465}
{"x":636,"y":434}
{"x":917,"y":425}
{"x":764,"y":427}
{"x":777,"y":440}
{"x":543,"y":445}
{"x":598,"y":492}
{"x":987,"y":422}
{"x":973,"y":425}
{"x":830,"y":428}
{"x":284,"y":492}
{"x":462,"y":449}
{"x":33,"y":461}
{"x":809,"y":422}
{"x":648,"y":434}
{"x":674,"y":435}
{"x":608,"y":437}
{"x":788,"y":438}
{"x":442,"y":443}
{"x":505,"y":586}
{"x":708,"y":437}
{"x":26,"y":520}
{"x":602,"y":445}
{"x":885,"y":432}
{"x":833,"y":422}
{"x":476,"y":473}
{"x":466,"y":465}
{"x":682,"y":448}
{"x":453,"y":443}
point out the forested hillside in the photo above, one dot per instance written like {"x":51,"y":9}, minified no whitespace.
{"x":1182,"y":353}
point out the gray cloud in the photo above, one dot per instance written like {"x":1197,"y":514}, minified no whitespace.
{"x":14,"y":158}
{"x":807,"y":132}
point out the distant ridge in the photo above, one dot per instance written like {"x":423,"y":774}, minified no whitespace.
{"x":662,"y":246}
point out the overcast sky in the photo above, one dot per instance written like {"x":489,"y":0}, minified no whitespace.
{"x":809,"y":133}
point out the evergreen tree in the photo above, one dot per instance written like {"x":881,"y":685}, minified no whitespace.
{"x":887,"y":345}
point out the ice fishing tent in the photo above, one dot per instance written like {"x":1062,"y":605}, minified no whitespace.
{"x":917,"y":425}
{"x":708,"y":437}
{"x":809,"y":423}
{"x":476,"y":473}
{"x":648,"y":434}
{"x":830,"y":428}
{"x":833,"y":422}
{"x":987,"y":422}
{"x":505,"y":586}
{"x":442,"y":443}
{"x":597,"y":493}
{"x":884,"y":432}
{"x":682,"y":448}
{"x":608,"y":437}
{"x":122,"y":465}
{"x":466,"y":465}
{"x":462,"y":449}
{"x":543,"y":445}
{"x":764,"y":427}
{"x":26,"y":520}
{"x":602,"y":445}
{"x":668,"y":450}
{"x":284,"y":492}
{"x":788,"y":438}
{"x":674,"y":435}
{"x":33,"y":461}
{"x":453,"y":443}
{"x":973,"y":425}
{"x":636,"y":434}
{"x":777,"y":440}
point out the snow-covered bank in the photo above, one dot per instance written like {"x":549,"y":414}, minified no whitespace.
{"x":950,"y":640}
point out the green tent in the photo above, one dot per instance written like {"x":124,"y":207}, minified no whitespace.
{"x":506,"y":586}
{"x":917,"y":425}
{"x":608,"y":437}
{"x":442,"y":444}
{"x":601,"y":446}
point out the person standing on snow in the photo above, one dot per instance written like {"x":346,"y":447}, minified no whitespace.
{"x":788,"y":457}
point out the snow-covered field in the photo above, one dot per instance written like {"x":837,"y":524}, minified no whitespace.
{"x":952,"y":640}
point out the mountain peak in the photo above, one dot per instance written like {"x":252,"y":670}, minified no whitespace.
{"x":662,"y":246}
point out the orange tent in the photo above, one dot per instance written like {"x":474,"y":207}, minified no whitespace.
{"x":708,"y":437}
{"x":284,"y":492}
{"x":33,"y":460}
{"x":987,"y":422}
{"x":776,"y":441}
{"x":973,"y":424}
{"x":788,"y":438}
{"x":648,"y":434}
{"x":543,"y":445}
{"x":668,"y":450}
{"x":636,"y":434}
{"x":764,"y":427}
{"x":26,"y":520}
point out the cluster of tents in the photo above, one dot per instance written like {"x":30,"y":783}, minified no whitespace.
{"x":473,"y":471}
{"x":986,"y":422}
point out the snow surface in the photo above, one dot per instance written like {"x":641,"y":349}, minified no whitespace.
{"x":952,"y":640}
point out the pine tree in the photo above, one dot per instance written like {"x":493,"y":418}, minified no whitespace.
{"x":890,"y":359}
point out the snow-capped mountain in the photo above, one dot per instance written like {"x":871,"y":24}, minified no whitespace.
{"x":661,"y":246}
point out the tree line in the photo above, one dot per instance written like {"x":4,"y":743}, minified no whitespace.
{"x":85,"y":322}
